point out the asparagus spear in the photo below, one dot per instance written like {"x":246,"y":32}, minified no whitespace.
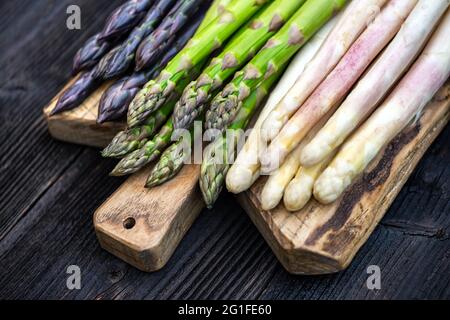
{"x":116,"y":99}
{"x":414,"y":91}
{"x":76,"y":93}
{"x":124,"y":19}
{"x":173,"y":158}
{"x":146,"y":154}
{"x":299,"y":191}
{"x":216,"y":9}
{"x":150,"y":48}
{"x":119,"y":23}
{"x":90,"y":53}
{"x":238,"y":51}
{"x":375,"y":84}
{"x":151,"y":149}
{"x":170,"y":162}
{"x":119,"y":59}
{"x":155,"y":92}
{"x":275,"y":186}
{"x":276,"y":54}
{"x":135,"y":138}
{"x":218,"y":155}
{"x":353,"y":21}
{"x":245,"y":169}
{"x":338,"y":82}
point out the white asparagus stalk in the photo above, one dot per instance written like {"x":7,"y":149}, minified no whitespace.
{"x":354,"y":20}
{"x":299,"y":190}
{"x":407,"y":100}
{"x":245,"y":170}
{"x":273,"y":190}
{"x":376,"y":83}
{"x":275,"y":186}
{"x":339,"y":82}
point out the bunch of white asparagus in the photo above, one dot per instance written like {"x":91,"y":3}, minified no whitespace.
{"x":326,"y":120}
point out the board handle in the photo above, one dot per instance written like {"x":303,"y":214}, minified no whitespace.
{"x":144,"y":226}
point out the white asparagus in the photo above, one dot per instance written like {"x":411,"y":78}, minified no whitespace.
{"x":352,"y":23}
{"x":273,"y":190}
{"x":370,"y":90}
{"x":405,"y":103}
{"x":339,"y":82}
{"x":275,"y":186}
{"x":245,"y":170}
{"x":299,"y":190}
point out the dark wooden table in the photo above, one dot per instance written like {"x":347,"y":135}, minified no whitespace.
{"x":49,"y":191}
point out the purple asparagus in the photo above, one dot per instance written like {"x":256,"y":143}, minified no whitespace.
{"x":116,"y":99}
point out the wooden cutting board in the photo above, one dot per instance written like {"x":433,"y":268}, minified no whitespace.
{"x":143,"y":227}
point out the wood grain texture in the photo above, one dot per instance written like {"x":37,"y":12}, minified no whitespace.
{"x":325,"y":238}
{"x":80,"y":124}
{"x":49,"y":191}
{"x":144,"y":226}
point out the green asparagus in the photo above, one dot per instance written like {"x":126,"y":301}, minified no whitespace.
{"x":275,"y":55}
{"x":135,"y":138}
{"x":155,"y":92}
{"x":170,"y":163}
{"x":149,"y":152}
{"x":239,"y":51}
{"x":219,"y":154}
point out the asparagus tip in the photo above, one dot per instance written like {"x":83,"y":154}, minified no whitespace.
{"x":102,"y":118}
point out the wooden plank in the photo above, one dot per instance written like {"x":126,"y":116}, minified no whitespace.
{"x":79,"y":125}
{"x":316,"y":240}
{"x":322,"y":239}
{"x":141,"y":226}
{"x":144,"y":226}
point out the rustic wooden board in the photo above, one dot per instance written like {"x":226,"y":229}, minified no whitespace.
{"x":142,"y":227}
{"x":316,"y":240}
{"x":79,"y":125}
{"x":323,"y":239}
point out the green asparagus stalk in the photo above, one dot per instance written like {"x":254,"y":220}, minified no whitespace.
{"x":151,"y":149}
{"x":155,"y":92}
{"x":275,"y":55}
{"x":215,"y":10}
{"x":149,"y":152}
{"x":135,"y":138}
{"x":239,"y":51}
{"x":170,"y":162}
{"x":219,"y":154}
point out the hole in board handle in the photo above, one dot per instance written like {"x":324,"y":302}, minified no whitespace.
{"x":129,"y":223}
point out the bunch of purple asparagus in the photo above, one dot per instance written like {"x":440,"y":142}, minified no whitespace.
{"x":159,"y":25}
